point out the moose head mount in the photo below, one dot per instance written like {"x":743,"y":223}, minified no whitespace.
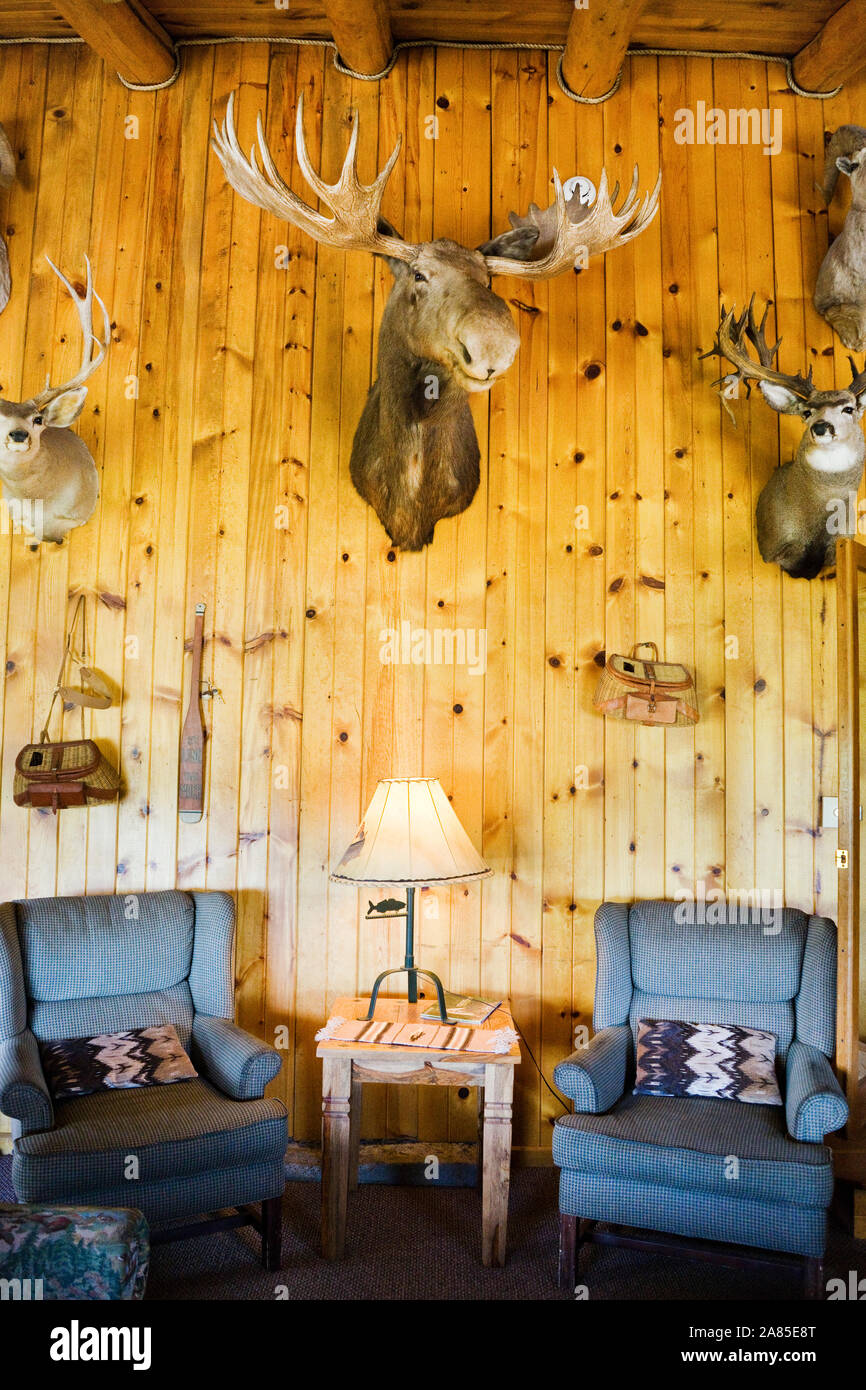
{"x":840,"y":290}
{"x":43,"y":465}
{"x":444,"y":332}
{"x":797,"y":507}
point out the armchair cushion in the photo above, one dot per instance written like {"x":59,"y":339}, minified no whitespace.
{"x":238,"y":1063}
{"x":814,"y":1104}
{"x":171,"y":1131}
{"x":594,"y":1076}
{"x":709,"y":1146}
{"x":24,"y":1094}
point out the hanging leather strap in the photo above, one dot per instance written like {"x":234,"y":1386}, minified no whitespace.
{"x":98,"y":696}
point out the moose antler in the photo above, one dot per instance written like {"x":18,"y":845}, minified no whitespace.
{"x":568,"y":231}
{"x":89,"y":363}
{"x":731,"y":342}
{"x":355,"y":224}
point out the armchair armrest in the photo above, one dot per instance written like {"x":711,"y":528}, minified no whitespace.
{"x":594,"y":1076}
{"x":814,"y":1103}
{"x":24,"y":1094}
{"x":238,"y":1063}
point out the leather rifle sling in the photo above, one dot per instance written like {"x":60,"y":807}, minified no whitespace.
{"x":190,"y":799}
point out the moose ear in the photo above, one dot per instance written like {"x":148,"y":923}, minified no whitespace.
{"x":64,"y":408}
{"x":846,"y":165}
{"x":385,"y":228}
{"x":780,"y":398}
{"x":513,"y":246}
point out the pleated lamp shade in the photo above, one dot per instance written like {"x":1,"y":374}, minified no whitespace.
{"x":410,"y":835}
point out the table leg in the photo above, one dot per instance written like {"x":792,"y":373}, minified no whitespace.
{"x":355,"y":1134}
{"x":336,"y":1111}
{"x":498,"y":1091}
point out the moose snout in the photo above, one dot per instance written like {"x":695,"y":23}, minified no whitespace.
{"x":822,"y":427}
{"x":485,"y":355}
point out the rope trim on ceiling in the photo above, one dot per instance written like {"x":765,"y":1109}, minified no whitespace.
{"x":406,"y":44}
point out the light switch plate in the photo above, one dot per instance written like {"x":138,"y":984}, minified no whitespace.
{"x":829,"y":813}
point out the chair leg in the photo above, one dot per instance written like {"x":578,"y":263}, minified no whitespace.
{"x":567,"y":1250}
{"x":813,"y":1278}
{"x":272,"y":1232}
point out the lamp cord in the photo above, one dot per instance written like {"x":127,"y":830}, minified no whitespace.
{"x":565,"y":1108}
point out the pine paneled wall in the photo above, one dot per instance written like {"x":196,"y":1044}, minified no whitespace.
{"x":226,"y":480}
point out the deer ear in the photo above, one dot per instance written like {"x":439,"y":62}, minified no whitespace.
{"x":514,"y":245}
{"x":65,"y":408}
{"x":846,"y":165}
{"x":780,"y":398}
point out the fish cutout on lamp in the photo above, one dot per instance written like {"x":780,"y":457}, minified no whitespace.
{"x":386,"y":905}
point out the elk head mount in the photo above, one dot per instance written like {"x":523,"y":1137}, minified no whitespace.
{"x":444,"y":332}
{"x":798,"y":506}
{"x":840,"y":290}
{"x":42,"y":463}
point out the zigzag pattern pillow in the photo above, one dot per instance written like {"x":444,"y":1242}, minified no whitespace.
{"x":706,"y":1059}
{"x":115,"y":1061}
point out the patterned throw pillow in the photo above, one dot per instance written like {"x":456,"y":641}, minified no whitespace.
{"x":706,"y":1059}
{"x":111,"y":1061}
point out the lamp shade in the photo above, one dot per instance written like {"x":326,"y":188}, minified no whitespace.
{"x":410,"y":835}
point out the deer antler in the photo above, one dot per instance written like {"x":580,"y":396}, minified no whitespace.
{"x":89,"y":363}
{"x":732,"y":338}
{"x":355,"y":224}
{"x":568,"y":230}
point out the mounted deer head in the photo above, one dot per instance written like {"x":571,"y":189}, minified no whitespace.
{"x":840,"y":290}
{"x":7,"y":174}
{"x":797,"y":506}
{"x":444,"y":332}
{"x":42,"y":463}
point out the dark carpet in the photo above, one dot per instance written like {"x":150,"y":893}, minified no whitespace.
{"x":420,"y":1243}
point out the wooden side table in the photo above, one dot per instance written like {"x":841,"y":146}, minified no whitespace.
{"x":347,"y":1066}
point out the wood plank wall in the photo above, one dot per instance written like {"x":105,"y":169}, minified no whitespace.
{"x":225,"y":480}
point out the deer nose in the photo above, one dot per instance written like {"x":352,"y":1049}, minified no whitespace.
{"x":822,"y":427}
{"x":19,"y":436}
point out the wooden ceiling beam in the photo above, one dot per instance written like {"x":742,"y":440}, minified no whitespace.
{"x":836,"y":53}
{"x":122,"y":32}
{"x":362,"y":32}
{"x":598,"y":37}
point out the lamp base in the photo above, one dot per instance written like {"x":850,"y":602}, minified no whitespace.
{"x":413,"y":972}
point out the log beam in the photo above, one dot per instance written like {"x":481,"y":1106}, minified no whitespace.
{"x":361,"y":30}
{"x":836,"y":53}
{"x":598,"y":36}
{"x":122,"y":32}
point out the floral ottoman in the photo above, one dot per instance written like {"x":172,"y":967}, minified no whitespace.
{"x":49,"y":1252}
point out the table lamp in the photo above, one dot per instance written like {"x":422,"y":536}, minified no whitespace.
{"x":409,"y":837}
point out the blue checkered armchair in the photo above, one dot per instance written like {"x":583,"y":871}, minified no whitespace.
{"x":704,"y":1169}
{"x":75,"y":967}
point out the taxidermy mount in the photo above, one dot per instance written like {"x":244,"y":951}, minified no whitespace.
{"x":795,"y":507}
{"x":41,"y":461}
{"x":7,"y":174}
{"x":444,"y":332}
{"x":840,"y":290}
